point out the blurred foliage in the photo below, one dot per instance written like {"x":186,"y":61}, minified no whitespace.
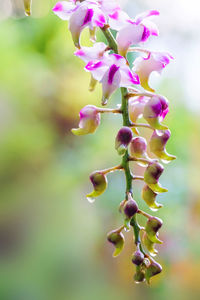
{"x":52,"y":242}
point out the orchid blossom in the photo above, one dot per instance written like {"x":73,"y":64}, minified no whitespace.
{"x":108,"y":65}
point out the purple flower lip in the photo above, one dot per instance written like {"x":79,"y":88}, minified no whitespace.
{"x":58,"y":7}
{"x":88,"y":16}
{"x":112,"y":71}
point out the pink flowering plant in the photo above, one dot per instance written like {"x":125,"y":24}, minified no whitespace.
{"x":108,"y":65}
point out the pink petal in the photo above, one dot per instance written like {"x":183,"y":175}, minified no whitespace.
{"x":64,"y":9}
{"x":98,"y":69}
{"x":139,"y":18}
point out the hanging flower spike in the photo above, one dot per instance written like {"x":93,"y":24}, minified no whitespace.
{"x":136,"y":108}
{"x":134,"y":31}
{"x":99,"y":182}
{"x":151,"y":176}
{"x":155,"y":111}
{"x":157,"y":145}
{"x":89,"y":120}
{"x":152,"y":226}
{"x":113,"y":73}
{"x":27,"y":7}
{"x":153,"y":269}
{"x":138,"y":147}
{"x":155,"y":61}
{"x":123,"y":139}
{"x":80,"y":15}
{"x":150,"y":198}
{"x":117,"y":239}
{"x":149,"y":244}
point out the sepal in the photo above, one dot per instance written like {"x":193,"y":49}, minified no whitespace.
{"x":149,"y":197}
{"x":149,"y":244}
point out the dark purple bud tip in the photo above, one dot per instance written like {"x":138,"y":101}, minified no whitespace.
{"x":130,"y":208}
{"x":138,"y":258}
{"x":153,"y":269}
{"x":153,"y":172}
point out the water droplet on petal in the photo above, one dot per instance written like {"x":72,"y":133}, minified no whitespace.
{"x":91,"y":200}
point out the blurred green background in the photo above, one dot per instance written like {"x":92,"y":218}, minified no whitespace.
{"x":52,"y":241}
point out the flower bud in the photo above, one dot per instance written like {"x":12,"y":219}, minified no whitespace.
{"x":149,"y":245}
{"x":150,"y":198}
{"x":139,"y":275}
{"x":155,"y":111}
{"x":89,"y":120}
{"x":157,"y":145}
{"x":27,"y":7}
{"x":138,"y":257}
{"x":151,"y":176}
{"x":152,"y":227}
{"x":117,"y":239}
{"x":99,"y":182}
{"x":138,"y":147}
{"x":130,"y":208}
{"x":153,"y":269}
{"x":123,"y":139}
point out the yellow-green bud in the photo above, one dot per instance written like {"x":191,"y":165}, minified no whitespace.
{"x":117,"y":239}
{"x":149,"y":197}
{"x":99,"y":182}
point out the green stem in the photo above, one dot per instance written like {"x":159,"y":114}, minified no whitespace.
{"x":126,"y":122}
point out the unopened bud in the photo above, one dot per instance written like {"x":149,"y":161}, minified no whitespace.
{"x":152,"y":227}
{"x":130,"y":208}
{"x":151,"y":176}
{"x":155,"y":111}
{"x":157,"y":145}
{"x":123,"y":139}
{"x":89,"y":120}
{"x":137,"y":258}
{"x":27,"y":7}
{"x":99,"y":182}
{"x":153,"y":269}
{"x":138,"y":147}
{"x":117,"y":239}
{"x":150,"y":198}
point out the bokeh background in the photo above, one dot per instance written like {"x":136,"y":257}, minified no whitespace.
{"x":52,"y":241}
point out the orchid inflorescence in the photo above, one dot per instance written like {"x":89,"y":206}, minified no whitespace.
{"x":108,"y":64}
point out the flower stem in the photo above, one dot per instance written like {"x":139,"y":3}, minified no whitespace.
{"x":126,"y":122}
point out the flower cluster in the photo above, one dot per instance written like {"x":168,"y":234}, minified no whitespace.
{"x":108,"y":65}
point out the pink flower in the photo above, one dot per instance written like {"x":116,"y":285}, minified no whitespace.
{"x":80,"y":15}
{"x":113,"y":72}
{"x":89,"y":120}
{"x":155,"y":61}
{"x":132,"y":31}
